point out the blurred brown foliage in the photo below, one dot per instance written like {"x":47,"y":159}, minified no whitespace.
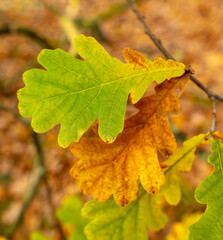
{"x":192,"y":31}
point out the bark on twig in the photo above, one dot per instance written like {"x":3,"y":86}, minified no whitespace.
{"x":213,"y":125}
{"x":166,"y":53}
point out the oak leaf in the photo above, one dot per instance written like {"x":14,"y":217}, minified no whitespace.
{"x":180,"y":161}
{"x":75,"y":93}
{"x":109,"y":221}
{"x":218,"y":134}
{"x":210,"y":192}
{"x":106,"y":169}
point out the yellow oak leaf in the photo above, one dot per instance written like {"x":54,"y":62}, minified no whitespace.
{"x":106,"y":169}
{"x":136,"y":59}
{"x":180,"y":229}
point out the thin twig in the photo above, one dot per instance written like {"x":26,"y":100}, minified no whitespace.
{"x":41,"y":176}
{"x":52,"y":209}
{"x":48,"y":189}
{"x":8,"y":29}
{"x":30,"y":196}
{"x":162,"y":49}
{"x":213,"y":125}
{"x":205,"y":89}
{"x":34,"y":188}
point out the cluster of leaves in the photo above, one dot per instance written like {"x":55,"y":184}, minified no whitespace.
{"x":74,"y":93}
{"x":131,"y":222}
{"x":110,"y":221}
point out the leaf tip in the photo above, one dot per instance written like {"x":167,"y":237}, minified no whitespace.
{"x":131,"y":98}
{"x":134,"y":57}
{"x":42,"y":52}
{"x":63,"y":143}
{"x":79,"y":38}
{"x":107,"y":139}
{"x":123,"y":202}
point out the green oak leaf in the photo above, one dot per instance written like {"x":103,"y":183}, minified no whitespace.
{"x":180,"y":161}
{"x":210,"y":191}
{"x":74,"y":93}
{"x":109,"y":221}
{"x":70,"y":216}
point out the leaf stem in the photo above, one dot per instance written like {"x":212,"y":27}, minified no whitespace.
{"x":166,"y":53}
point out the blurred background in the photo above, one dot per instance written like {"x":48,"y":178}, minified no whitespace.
{"x":191,"y":30}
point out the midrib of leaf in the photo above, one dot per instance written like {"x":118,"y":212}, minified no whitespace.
{"x":79,"y":115}
{"x":91,"y":88}
{"x":113,"y":81}
{"x":154,"y":217}
{"x":136,"y":204}
{"x":215,"y":182}
{"x":136,"y":217}
{"x":155,"y":108}
{"x":121,"y":219}
{"x":175,"y":163}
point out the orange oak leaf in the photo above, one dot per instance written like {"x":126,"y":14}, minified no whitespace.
{"x":218,"y":134}
{"x":106,"y":169}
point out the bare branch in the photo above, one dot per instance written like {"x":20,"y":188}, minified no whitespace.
{"x":213,"y":125}
{"x":48,"y":189}
{"x":205,"y":89}
{"x":162,"y":49}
